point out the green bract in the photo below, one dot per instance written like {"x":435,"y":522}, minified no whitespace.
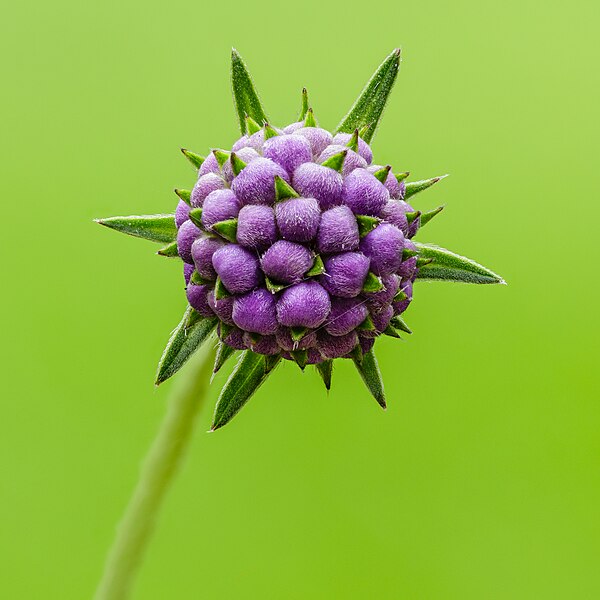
{"x":348,"y":185}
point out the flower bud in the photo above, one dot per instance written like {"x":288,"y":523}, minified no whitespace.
{"x":345,"y":274}
{"x":237,"y":267}
{"x":256,"y":312}
{"x":391,"y":183}
{"x":204,"y":186}
{"x":203,"y":249}
{"x":182,"y":213}
{"x":286,"y":262}
{"x":288,"y":151}
{"x":197,"y":296}
{"x":219,"y":205}
{"x":322,"y":183}
{"x":352,"y":161}
{"x":383,"y":245}
{"x":336,"y":346}
{"x":186,"y":236}
{"x":364,"y":150}
{"x":256,"y":183}
{"x":346,"y":315}
{"x":256,"y":226}
{"x":305,"y":304}
{"x":318,"y":138}
{"x":364,"y":194}
{"x":338,"y":231}
{"x":298,"y":219}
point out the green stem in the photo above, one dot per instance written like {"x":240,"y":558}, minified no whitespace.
{"x":159,"y":469}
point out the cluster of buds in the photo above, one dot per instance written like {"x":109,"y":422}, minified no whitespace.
{"x":296,"y":245}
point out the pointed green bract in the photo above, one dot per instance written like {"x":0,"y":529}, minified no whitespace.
{"x":389,"y":330}
{"x":369,"y":371}
{"x":325,"y":370}
{"x":224,"y":353}
{"x":245,"y":98}
{"x":196,"y":216}
{"x":336,"y":162}
{"x":366,"y":224}
{"x":398,"y":323}
{"x":383,"y":173}
{"x":318,"y":268}
{"x":249,"y":374}
{"x":367,"y":324}
{"x":156,"y":228}
{"x":187,"y":337}
{"x":194,"y":158}
{"x":252,"y":126}
{"x":310,"y":120}
{"x":304,"y":106}
{"x":226,"y":229}
{"x":274,"y":287}
{"x":372,"y":283}
{"x":452,"y":267}
{"x":237,"y":164}
{"x":297,"y":333}
{"x":353,"y":142}
{"x":427,"y":216}
{"x":368,"y":108}
{"x":411,"y":216}
{"x":269,"y":131}
{"x":184,"y":195}
{"x":283,"y":190}
{"x":421,"y":262}
{"x":301,"y":357}
{"x":221,"y":292}
{"x":197,"y":279}
{"x":400,"y":295}
{"x":408,"y":253}
{"x":402,"y":176}
{"x":414,"y":187}
{"x":170,"y":250}
{"x":222,"y":156}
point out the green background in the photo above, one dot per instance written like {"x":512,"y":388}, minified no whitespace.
{"x":482,"y":480}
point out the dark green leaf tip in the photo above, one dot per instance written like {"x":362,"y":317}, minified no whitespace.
{"x":336,"y":162}
{"x":382,"y":174}
{"x":245,"y":98}
{"x":194,"y":158}
{"x":156,"y":228}
{"x":427,"y":216}
{"x":369,"y":106}
{"x":283,"y":190}
{"x":224,"y":352}
{"x":370,"y":374}
{"x":411,"y":216}
{"x":237,"y":164}
{"x":310,"y":120}
{"x":304,"y":105}
{"x":372,"y":283}
{"x":252,"y":126}
{"x":221,"y":155}
{"x":318,"y":267}
{"x":414,"y":187}
{"x":269,"y":131}
{"x":226,"y":229}
{"x":325,"y":370}
{"x":367,"y":324}
{"x":184,"y":195}
{"x":366,"y":224}
{"x":301,"y":357}
{"x":389,"y":330}
{"x":398,"y":323}
{"x":196,"y":216}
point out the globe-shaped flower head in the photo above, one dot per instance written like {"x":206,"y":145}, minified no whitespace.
{"x":297,"y":245}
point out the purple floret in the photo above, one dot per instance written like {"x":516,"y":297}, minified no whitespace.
{"x":336,"y":346}
{"x":247,"y":155}
{"x":256,"y":183}
{"x":223,"y":308}
{"x":255,"y":312}
{"x":346,"y":315}
{"x":318,"y":138}
{"x":286,"y":262}
{"x":197,"y":296}
{"x":364,"y":150}
{"x":345,"y":274}
{"x":182,"y":213}
{"x":364,"y":193}
{"x":204,"y":186}
{"x":256,"y":226}
{"x":305,"y":304}
{"x":383,"y":245}
{"x":219,"y":205}
{"x":391,"y":183}
{"x":186,"y":236}
{"x":298,"y":219}
{"x":338,"y":231}
{"x":394,"y":212}
{"x":238,"y":268}
{"x":322,"y":183}
{"x":288,"y":151}
{"x":202,"y":252}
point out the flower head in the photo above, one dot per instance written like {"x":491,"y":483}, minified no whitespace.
{"x":296,"y":246}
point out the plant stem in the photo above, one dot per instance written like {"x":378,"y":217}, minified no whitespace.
{"x":157,"y":473}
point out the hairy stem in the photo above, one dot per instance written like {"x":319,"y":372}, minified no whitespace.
{"x":157,"y":473}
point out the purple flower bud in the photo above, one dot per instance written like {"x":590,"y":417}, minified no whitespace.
{"x":377,"y":301}
{"x":364,"y":149}
{"x":186,"y":236}
{"x":234,"y":338}
{"x":315,"y":181}
{"x":223,"y":308}
{"x":197,"y":296}
{"x":245,"y":154}
{"x":401,"y":305}
{"x":182,"y":213}
{"x":391,"y":183}
{"x":394,"y":212}
{"x":210,"y":165}
{"x":383,"y":245}
{"x":408,"y":268}
{"x":345,"y":316}
{"x":313,"y":357}
{"x":305,"y":304}
{"x":364,"y":194}
{"x":318,"y":138}
{"x":382,"y":319}
{"x":254,"y":141}
{"x":237,"y":267}
{"x":353,"y":160}
{"x":219,"y":205}
{"x":286,"y":262}
{"x":202,"y":252}
{"x":293,"y":127}
{"x":298,"y":219}
{"x":204,"y":186}
{"x":338,"y":231}
{"x":187,"y":272}
{"x":345,"y":274}
{"x":256,"y":226}
{"x":266,"y":344}
{"x":366,"y":344}
{"x":255,"y":312}
{"x":256,"y":183}
{"x":289,"y":151}
{"x":336,"y":346}
{"x":285,"y":341}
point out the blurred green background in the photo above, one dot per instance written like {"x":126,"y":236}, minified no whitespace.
{"x":482,"y":480}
